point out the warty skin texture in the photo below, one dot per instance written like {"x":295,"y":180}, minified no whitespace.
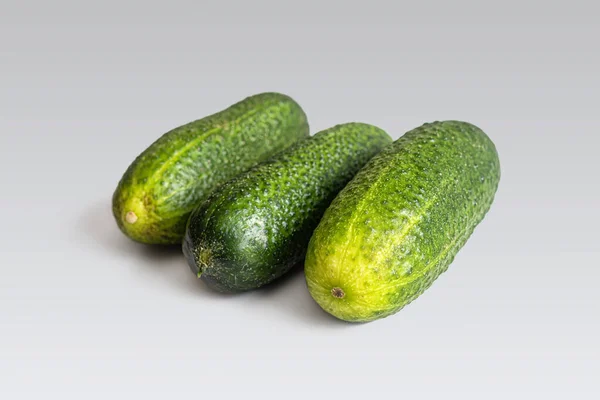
{"x":163,"y":185}
{"x":400,"y":222}
{"x":255,"y":228}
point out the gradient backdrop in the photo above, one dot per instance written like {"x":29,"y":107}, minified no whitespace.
{"x":84,"y":87}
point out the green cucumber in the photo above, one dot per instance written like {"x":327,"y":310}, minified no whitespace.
{"x":162,"y":186}
{"x":256,"y":227}
{"x":399,"y":223}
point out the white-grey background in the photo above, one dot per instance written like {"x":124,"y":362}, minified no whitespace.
{"x":84,"y":87}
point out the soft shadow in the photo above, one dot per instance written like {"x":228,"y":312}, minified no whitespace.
{"x":291,"y":296}
{"x":287,"y":294}
{"x":98,"y":225}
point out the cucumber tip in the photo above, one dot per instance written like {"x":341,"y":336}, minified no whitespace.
{"x":338,"y":293}
{"x":130,"y":217}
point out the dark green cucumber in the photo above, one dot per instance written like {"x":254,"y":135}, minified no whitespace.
{"x":162,"y":186}
{"x":399,"y":223}
{"x":256,"y":227}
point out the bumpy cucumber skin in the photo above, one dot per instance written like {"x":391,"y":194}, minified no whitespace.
{"x":172,"y":176}
{"x":256,"y":227}
{"x":399,"y":223}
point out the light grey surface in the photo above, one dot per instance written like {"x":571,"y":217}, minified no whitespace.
{"x":85,"y":87}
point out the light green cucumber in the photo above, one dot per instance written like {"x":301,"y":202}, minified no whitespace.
{"x":399,"y":223}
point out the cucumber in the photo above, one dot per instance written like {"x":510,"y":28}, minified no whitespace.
{"x":162,"y":186}
{"x":399,"y":223}
{"x":256,"y":227}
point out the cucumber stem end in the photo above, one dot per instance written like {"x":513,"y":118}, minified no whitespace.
{"x":130,"y":217}
{"x":337,"y":293}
